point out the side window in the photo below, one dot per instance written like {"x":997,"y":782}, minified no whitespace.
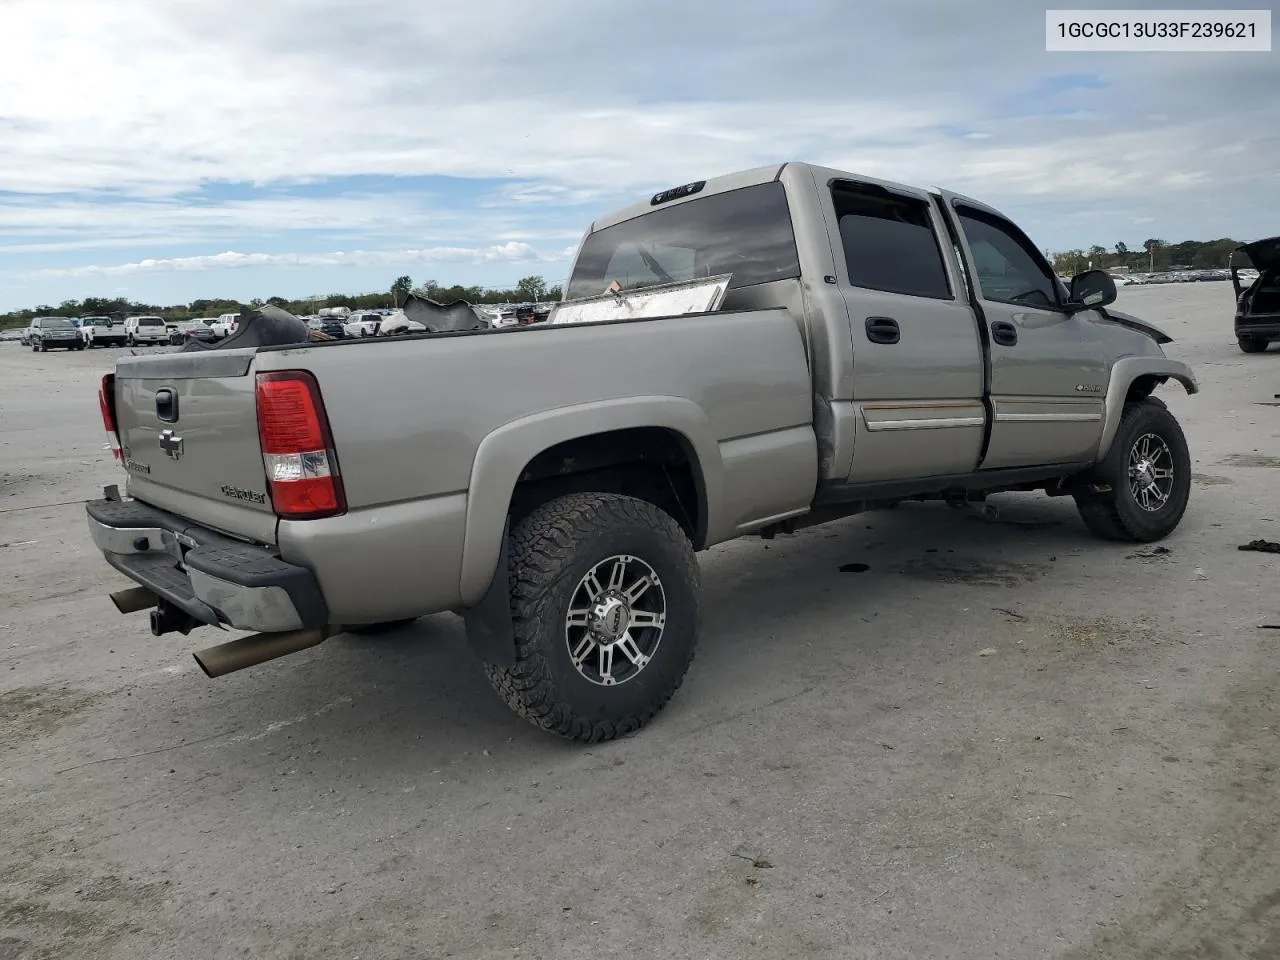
{"x":1009,"y":268}
{"x":889,"y":243}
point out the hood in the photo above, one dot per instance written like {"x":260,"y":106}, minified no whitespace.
{"x":1136,"y":323}
{"x":1263,"y":254}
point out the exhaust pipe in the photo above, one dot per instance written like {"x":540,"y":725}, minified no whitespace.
{"x":249,"y":651}
{"x":134,"y":599}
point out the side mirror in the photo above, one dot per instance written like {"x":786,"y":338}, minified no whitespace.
{"x":1093,"y":289}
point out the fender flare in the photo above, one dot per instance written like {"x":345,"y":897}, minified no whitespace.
{"x":502,"y":456}
{"x":1123,"y":373}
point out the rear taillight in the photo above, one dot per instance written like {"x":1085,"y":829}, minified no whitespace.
{"x":297,"y":448}
{"x":107,"y":403}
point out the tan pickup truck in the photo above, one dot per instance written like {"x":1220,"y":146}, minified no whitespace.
{"x":552,"y":483}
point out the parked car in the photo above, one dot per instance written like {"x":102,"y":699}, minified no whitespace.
{"x":1257,"y":321}
{"x":361,"y":324}
{"x":225,"y":325}
{"x":48,"y":333}
{"x":102,"y":332}
{"x":145,"y":329}
{"x":332,"y":326}
{"x":321,"y":486}
{"x":185,"y":330}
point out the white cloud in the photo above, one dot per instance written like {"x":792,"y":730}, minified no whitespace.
{"x":115,"y":115}
{"x":511,"y":252}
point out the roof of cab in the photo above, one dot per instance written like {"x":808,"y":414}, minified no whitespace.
{"x":758,"y":175}
{"x":714,"y":185}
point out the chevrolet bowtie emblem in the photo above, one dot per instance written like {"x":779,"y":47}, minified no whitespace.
{"x":171,"y":445}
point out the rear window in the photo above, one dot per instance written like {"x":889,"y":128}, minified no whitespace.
{"x":150,"y":322}
{"x":746,"y":233}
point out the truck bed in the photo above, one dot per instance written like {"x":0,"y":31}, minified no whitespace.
{"x":412,"y":423}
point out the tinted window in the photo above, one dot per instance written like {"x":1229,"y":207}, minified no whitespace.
{"x":746,"y":233}
{"x":889,"y":243}
{"x":55,"y":323}
{"x":150,"y":322}
{"x":1009,"y":268}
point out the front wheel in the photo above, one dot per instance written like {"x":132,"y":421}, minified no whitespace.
{"x":1140,"y":490}
{"x":1250,"y":345}
{"x":604,"y":601}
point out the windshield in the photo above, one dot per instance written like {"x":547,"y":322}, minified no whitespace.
{"x":55,"y":323}
{"x":746,"y":233}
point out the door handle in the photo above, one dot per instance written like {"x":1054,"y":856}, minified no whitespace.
{"x":883,"y":330}
{"x":1004,"y":333}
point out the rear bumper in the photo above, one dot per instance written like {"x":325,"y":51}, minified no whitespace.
{"x":215,"y":579}
{"x":1265,"y":326}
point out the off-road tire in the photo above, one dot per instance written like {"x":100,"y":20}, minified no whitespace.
{"x":1251,"y":345}
{"x":1114,"y":514}
{"x":551,"y":551}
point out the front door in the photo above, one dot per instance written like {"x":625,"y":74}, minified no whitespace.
{"x":1048,"y":373}
{"x":917,"y":356}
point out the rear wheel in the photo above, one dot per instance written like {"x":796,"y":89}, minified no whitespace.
{"x":1140,"y":490}
{"x":604,"y":598}
{"x":1251,"y":345}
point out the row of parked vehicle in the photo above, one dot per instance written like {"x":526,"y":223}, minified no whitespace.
{"x":80,"y":333}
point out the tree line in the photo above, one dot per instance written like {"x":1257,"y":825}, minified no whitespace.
{"x":1154,"y":256}
{"x":528,"y":289}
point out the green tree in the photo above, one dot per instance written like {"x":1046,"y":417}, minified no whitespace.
{"x":400,"y":290}
{"x":532,"y":288}
{"x":1122,"y":250}
{"x":1152,"y":246}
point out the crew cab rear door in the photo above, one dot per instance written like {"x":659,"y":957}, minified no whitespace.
{"x":917,"y":358}
{"x":1049,"y":373}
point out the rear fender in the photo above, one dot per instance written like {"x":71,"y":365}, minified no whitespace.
{"x":503,"y":455}
{"x":1124,"y":373}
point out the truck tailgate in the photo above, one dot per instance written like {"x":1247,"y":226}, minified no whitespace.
{"x":189,"y":432}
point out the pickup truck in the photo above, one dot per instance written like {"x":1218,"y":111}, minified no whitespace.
{"x":876,"y":343}
{"x":102,"y":332}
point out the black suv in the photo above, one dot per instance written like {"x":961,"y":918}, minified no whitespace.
{"x":1258,"y":305}
{"x":47,"y":333}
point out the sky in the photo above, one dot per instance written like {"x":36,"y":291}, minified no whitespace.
{"x":167,"y":150}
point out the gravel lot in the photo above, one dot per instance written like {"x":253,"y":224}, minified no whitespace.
{"x":1004,"y":739}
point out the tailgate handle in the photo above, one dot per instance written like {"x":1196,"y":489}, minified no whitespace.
{"x":167,"y":404}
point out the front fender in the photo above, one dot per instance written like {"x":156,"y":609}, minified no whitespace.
{"x":502,"y":456}
{"x":1123,"y":375}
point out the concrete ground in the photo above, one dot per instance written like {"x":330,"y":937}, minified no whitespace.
{"x":1003,"y":740}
